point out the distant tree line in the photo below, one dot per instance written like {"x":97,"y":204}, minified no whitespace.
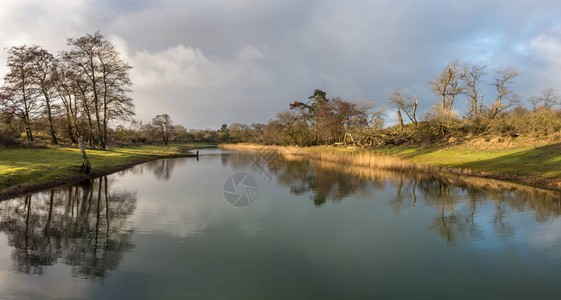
{"x":80,"y":91}
{"x":162,"y":130}
{"x":320,"y":120}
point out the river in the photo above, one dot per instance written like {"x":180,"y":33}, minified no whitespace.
{"x":239,"y":225}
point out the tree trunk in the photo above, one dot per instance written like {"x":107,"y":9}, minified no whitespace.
{"x":105,"y":126}
{"x":452,"y":97}
{"x":415,"y":112}
{"x":96,"y":106}
{"x":26,"y":119}
{"x":28,"y":132}
{"x":69,"y":125}
{"x":74,"y":114}
{"x":92,"y":137}
{"x":50,"y":118}
{"x":400,"y":119}
{"x":68,"y":109}
{"x":27,"y":124}
{"x":86,"y":167}
{"x":105,"y":117}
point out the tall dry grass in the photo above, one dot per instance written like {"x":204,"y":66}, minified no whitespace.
{"x":370,"y":159}
{"x":356,"y":157}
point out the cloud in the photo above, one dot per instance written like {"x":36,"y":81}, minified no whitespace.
{"x":213,"y":62}
{"x":186,"y":83}
{"x":546,"y":48}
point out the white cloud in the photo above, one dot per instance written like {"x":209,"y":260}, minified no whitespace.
{"x":545,"y":49}
{"x":46,"y":23}
{"x":184,"y":82}
{"x":191,"y":68}
{"x":213,"y":62}
{"x":548,"y":45}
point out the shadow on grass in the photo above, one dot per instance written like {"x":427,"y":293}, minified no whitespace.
{"x":540,"y":161}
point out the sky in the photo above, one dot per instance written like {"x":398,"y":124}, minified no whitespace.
{"x":211,"y":62}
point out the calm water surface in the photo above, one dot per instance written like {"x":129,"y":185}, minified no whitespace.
{"x":163,"y":230}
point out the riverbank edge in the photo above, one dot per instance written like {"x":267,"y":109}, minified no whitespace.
{"x":26,"y":188}
{"x":366,"y":158}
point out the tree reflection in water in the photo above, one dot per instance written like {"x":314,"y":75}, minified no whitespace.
{"x":86,"y":227}
{"x":305,"y":176}
{"x":458,"y":200}
{"x":163,"y":168}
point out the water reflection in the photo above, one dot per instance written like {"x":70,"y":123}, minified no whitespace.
{"x":458,"y":200}
{"x":327,"y":231}
{"x":304,"y":176}
{"x":162,"y":168}
{"x":85,"y":226}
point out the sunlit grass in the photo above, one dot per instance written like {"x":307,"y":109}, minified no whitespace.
{"x":533,"y":161}
{"x":35,"y":165}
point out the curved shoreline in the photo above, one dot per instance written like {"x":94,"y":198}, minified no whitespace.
{"x":26,"y":188}
{"x":357,"y":157}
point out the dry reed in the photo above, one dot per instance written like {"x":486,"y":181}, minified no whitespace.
{"x":370,"y":159}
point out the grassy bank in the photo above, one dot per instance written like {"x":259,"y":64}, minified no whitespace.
{"x":535,"y":165}
{"x":23,"y":170}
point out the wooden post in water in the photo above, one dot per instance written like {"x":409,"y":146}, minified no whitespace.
{"x":86,"y":167}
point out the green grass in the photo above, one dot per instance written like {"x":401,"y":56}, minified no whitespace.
{"x":544,"y":161}
{"x":22,"y":165}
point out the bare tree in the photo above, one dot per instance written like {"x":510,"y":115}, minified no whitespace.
{"x":376,"y":120}
{"x":115,"y":82}
{"x":535,"y":101}
{"x":473,"y":74}
{"x":83,"y":57}
{"x":406,"y":103}
{"x":448,"y":84}
{"x":44,"y":64}
{"x":505,"y":96}
{"x":103,"y":80}
{"x":20,"y":94}
{"x":165,"y":126}
{"x":82,"y":90}
{"x":87,"y":87}
{"x":548,"y":99}
{"x":67,"y":92}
